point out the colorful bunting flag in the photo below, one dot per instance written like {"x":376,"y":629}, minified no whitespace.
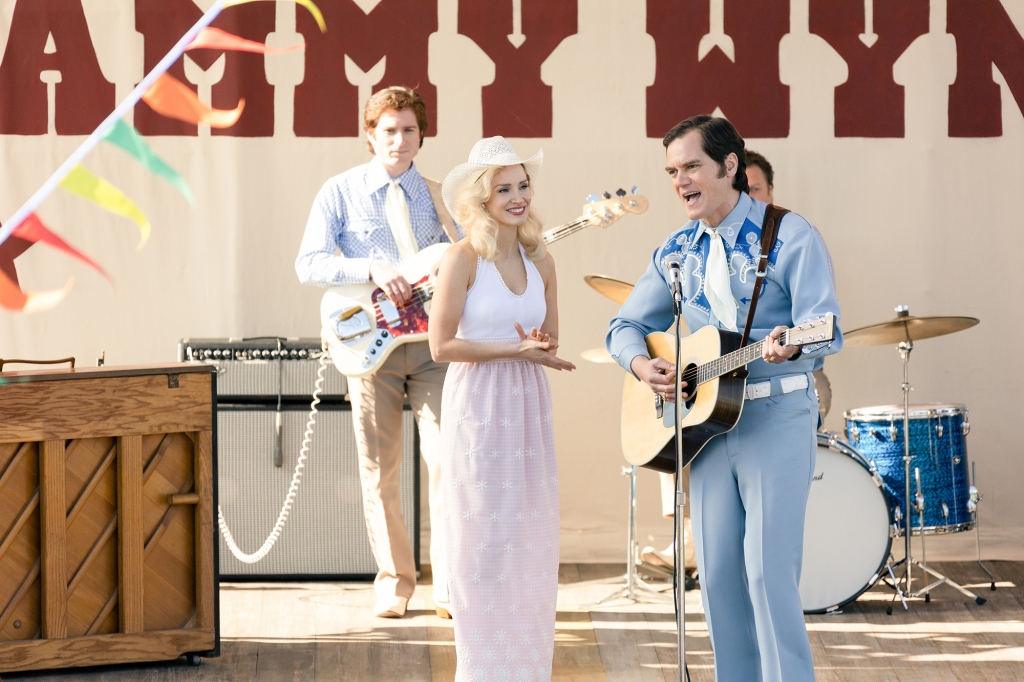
{"x":128,"y":139}
{"x":33,"y":231}
{"x":9,"y":250}
{"x":216,"y":39}
{"x":174,"y":99}
{"x":97,"y":190}
{"x":308,"y":4}
{"x":166,"y":96}
{"x":13,"y":298}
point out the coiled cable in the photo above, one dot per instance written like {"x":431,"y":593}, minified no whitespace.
{"x":296,"y":479}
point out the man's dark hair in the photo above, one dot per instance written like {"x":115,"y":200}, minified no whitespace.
{"x":755,"y":159}
{"x":718,"y":139}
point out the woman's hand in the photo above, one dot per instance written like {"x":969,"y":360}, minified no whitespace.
{"x":537,"y":347}
{"x":536,"y":335}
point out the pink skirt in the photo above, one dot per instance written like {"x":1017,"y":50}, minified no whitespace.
{"x":501,"y":508}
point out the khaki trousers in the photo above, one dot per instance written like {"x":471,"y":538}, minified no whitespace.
{"x":377,"y":402}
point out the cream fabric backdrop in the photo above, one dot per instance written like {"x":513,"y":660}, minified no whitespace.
{"x":926,"y":220}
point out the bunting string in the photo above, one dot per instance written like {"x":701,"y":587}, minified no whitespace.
{"x":165,"y":95}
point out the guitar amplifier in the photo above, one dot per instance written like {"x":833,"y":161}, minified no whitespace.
{"x":264,"y":366}
{"x":324,"y":537}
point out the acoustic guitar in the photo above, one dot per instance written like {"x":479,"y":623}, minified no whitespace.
{"x":713,"y":361}
{"x":362,"y":326}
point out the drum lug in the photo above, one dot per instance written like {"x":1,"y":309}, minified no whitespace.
{"x":966,"y":426}
{"x":938,"y":430}
{"x":854,"y":434}
{"x":892,"y":432}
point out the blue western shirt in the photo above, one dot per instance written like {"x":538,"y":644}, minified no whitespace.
{"x":348,"y":215}
{"x":799,"y":287}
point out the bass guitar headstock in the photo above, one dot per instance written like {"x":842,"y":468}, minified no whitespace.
{"x":606,"y":209}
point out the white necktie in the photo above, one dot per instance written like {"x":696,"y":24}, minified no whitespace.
{"x":396,"y":209}
{"x":718,"y":287}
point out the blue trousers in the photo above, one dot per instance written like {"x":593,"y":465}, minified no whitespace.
{"x":748,"y":492}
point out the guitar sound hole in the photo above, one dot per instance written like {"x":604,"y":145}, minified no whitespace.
{"x":691,"y":389}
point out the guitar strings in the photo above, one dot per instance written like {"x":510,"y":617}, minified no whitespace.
{"x":715,"y":368}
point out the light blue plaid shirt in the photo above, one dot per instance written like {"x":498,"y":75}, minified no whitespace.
{"x":348,"y":215}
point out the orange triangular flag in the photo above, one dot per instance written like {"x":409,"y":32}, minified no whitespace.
{"x":216,"y":39}
{"x":13,"y":298}
{"x":172,"y":98}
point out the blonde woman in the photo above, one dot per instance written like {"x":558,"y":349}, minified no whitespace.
{"x":497,"y":440}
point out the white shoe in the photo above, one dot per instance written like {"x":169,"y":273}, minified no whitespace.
{"x":652,"y":556}
{"x":390,"y":607}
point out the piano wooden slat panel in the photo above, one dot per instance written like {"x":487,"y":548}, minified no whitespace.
{"x":96,"y":565}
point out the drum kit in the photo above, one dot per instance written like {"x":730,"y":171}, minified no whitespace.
{"x":876,"y":484}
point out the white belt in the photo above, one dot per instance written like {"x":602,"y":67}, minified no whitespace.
{"x":789,"y":383}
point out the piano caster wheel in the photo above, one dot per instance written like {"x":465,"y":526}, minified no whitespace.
{"x":193,"y":659}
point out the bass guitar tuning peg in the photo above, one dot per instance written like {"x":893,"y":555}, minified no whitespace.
{"x":620,"y":192}
{"x":635,"y":190}
{"x":607,"y":195}
{"x":593,"y":199}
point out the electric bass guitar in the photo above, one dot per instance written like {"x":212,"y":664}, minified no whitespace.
{"x":713,"y":362}
{"x":362,"y":326}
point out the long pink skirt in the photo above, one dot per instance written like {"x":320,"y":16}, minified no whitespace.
{"x":501,"y":508}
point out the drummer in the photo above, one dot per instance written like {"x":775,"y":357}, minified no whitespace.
{"x":761,"y":179}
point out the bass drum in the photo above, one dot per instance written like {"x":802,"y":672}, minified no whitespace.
{"x":847,"y":529}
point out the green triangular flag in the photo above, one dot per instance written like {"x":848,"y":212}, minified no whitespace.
{"x":128,"y":139}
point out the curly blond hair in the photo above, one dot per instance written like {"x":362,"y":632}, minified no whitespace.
{"x":482,"y":230}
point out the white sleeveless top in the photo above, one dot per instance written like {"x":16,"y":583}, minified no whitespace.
{"x":491,"y":308}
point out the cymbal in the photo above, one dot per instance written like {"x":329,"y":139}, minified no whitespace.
{"x":615,"y":289}
{"x":899,"y":329}
{"x":599,"y":355}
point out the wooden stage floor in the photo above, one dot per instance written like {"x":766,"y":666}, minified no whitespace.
{"x":324,"y":631}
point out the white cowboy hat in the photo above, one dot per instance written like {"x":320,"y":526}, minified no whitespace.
{"x":487,"y":153}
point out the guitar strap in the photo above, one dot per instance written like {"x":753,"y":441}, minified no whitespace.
{"x":769,"y":234}
{"x":442,"y":211}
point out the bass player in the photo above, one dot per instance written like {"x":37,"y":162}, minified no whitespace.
{"x":749,"y":486}
{"x":378,"y":215}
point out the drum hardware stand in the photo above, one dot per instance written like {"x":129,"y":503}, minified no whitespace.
{"x":972,"y":507}
{"x":904,"y":348}
{"x":636,"y":589}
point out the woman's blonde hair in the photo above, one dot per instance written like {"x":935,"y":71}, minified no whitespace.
{"x":482,"y":230}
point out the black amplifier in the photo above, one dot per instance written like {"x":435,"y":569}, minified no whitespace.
{"x":265,"y":366}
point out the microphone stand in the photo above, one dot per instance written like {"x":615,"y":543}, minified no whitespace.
{"x":680,"y":521}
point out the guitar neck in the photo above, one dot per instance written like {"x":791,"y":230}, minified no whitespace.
{"x":729,"y":362}
{"x":732,"y":361}
{"x":556,"y":233}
